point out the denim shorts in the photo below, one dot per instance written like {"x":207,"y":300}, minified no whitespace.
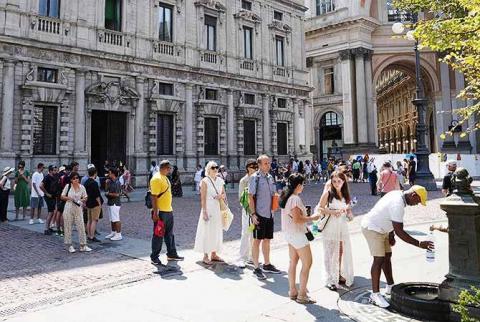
{"x":36,"y":202}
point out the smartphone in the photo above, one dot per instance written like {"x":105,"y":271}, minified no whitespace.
{"x":309,"y":210}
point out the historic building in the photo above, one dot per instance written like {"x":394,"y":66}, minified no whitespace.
{"x":364,"y":80}
{"x":143,"y":80}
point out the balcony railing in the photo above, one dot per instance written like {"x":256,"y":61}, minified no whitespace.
{"x":210,"y":57}
{"x":247,"y":65}
{"x":279,"y":71}
{"x":164,"y":48}
{"x":114,"y":38}
{"x":49,"y":25}
{"x":397,"y":15}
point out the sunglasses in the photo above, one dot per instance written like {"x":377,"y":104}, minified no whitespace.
{"x":75,"y":178}
{"x":214,"y":168}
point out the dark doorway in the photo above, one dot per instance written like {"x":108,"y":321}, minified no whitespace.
{"x":109,"y":137}
{"x":282,"y":138}
{"x":211,"y":136}
{"x":330,"y":135}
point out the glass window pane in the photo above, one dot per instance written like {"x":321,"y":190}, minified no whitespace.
{"x":54,"y":8}
{"x":43,"y":7}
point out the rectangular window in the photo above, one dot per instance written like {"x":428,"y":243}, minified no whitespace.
{"x":49,"y":8}
{"x":249,"y":137}
{"x":166,"y":23}
{"x":324,"y":6}
{"x":249,"y":99}
{"x":113,"y":15}
{"x":329,"y":81}
{"x":211,"y":32}
{"x":47,"y":75}
{"x":282,"y":103}
{"x":247,"y":5}
{"x":282,"y":139}
{"x":45,"y":130}
{"x":165,"y":132}
{"x":277,"y":15}
{"x":211,"y":94}
{"x":247,"y":42}
{"x":211,"y":136}
{"x":279,"y":51}
{"x":165,"y":89}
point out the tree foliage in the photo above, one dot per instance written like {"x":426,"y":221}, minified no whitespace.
{"x":452,"y":28}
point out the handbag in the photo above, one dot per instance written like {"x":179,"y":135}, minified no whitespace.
{"x":61,"y":205}
{"x":159,"y":230}
{"x":309,"y":235}
{"x":322,"y":223}
{"x":227,"y":215}
{"x":148,"y":198}
{"x":275,"y":202}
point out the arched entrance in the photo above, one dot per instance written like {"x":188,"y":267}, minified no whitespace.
{"x":330,"y":135}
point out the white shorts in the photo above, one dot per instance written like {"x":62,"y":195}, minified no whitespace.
{"x":114,"y":213}
{"x":296,"y":240}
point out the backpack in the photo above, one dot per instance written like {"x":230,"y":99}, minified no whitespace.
{"x":244,"y":200}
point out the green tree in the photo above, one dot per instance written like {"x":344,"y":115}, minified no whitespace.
{"x":452,"y":27}
{"x":465,"y":300}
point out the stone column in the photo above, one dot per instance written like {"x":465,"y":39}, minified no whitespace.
{"x":230,"y":124}
{"x":188,"y":120}
{"x":7,"y":105}
{"x":349,"y":126}
{"x":267,"y":142}
{"x":362,"y":122}
{"x":448,"y":144}
{"x":296,"y":127}
{"x":79,"y":128}
{"x":139,"y":115}
{"x":308,"y":125}
{"x":371,"y":110}
{"x":463,"y":143}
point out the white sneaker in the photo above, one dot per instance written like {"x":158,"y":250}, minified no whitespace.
{"x":85,"y":249}
{"x":388,"y":289}
{"x":31,"y":222}
{"x":117,"y":236}
{"x":110,"y":235}
{"x":71,"y":249}
{"x":378,"y":300}
{"x":39,"y":221}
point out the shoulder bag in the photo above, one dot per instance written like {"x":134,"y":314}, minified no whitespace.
{"x":322,"y":223}
{"x":61,"y":205}
{"x":227,"y":215}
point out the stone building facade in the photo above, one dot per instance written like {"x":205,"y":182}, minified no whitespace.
{"x":364,"y":80}
{"x":143,"y":80}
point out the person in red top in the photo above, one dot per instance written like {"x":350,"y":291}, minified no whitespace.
{"x":388,"y":180}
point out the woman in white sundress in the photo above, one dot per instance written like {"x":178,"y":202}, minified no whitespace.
{"x":336,"y":237}
{"x":209,"y":238}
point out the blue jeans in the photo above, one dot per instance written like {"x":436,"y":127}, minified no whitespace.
{"x":372,"y":178}
{"x":157,"y":242}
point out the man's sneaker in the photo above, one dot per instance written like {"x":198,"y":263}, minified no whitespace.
{"x":85,"y":248}
{"x":156,"y":262}
{"x":47,"y":232}
{"x":31,"y":222}
{"x":270,"y":269}
{"x":116,"y":237}
{"x":71,"y":249}
{"x":388,"y":289}
{"x":40,"y":221}
{"x":259,"y":274}
{"x":378,"y":300}
{"x":94,"y":240}
{"x":175,"y":258}
{"x":110,"y":235}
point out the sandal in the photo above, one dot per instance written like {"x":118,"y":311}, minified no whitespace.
{"x":332,"y":287}
{"x":305,"y":300}
{"x":208,"y":263}
{"x":293,"y":296}
{"x":342,"y":280}
{"x":218,"y":259}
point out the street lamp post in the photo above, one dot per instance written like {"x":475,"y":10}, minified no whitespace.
{"x":423,"y":176}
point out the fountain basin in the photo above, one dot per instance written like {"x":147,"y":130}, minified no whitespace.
{"x":419,"y":301}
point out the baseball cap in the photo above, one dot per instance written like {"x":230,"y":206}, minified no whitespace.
{"x":62,"y":168}
{"x":451,"y":162}
{"x":422,"y":193}
{"x":164,"y":163}
{"x":51,"y":167}
{"x":90,"y":166}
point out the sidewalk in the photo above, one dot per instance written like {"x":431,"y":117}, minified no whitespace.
{"x":225,"y":293}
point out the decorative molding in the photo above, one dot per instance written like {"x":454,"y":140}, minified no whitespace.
{"x":248,"y":15}
{"x":112,"y":92}
{"x":345,"y":54}
{"x":30,"y":77}
{"x":211,"y":4}
{"x":280,"y":26}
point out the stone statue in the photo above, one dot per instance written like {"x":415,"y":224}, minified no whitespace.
{"x":461,"y":182}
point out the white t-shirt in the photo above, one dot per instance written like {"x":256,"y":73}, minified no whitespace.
{"x":308,"y":169}
{"x":37,"y":179}
{"x":198,"y":176}
{"x":390,"y":207}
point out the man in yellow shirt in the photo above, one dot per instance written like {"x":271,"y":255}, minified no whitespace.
{"x":162,"y":211}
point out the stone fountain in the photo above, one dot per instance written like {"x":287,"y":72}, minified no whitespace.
{"x":429,"y":301}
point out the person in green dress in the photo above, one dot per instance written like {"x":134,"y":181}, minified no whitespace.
{"x":22,"y":195}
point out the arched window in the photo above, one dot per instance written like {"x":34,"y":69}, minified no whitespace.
{"x":331,"y":119}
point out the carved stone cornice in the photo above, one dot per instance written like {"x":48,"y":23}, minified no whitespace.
{"x":345,"y":54}
{"x":280,"y":26}
{"x":248,"y":15}
{"x":211,"y":4}
{"x":112,"y":92}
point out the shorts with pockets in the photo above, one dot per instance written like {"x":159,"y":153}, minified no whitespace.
{"x":51,"y":203}
{"x":114,"y":213}
{"x":264,"y":229}
{"x":94,"y":213}
{"x":36,"y":202}
{"x":378,"y":244}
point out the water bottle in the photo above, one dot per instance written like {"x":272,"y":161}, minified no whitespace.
{"x":353,"y":202}
{"x":314,"y":228}
{"x":430,"y":253}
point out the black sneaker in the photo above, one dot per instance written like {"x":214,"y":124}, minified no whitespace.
{"x":175,"y":258}
{"x":270,"y":269}
{"x":47,"y":232}
{"x":156,"y":262}
{"x":94,"y":240}
{"x":259,"y":274}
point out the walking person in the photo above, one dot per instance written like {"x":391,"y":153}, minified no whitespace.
{"x":209,"y":237}
{"x":74,"y":195}
{"x":400,"y":174}
{"x":336,"y":237}
{"x":50,"y":188}
{"x":261,"y":189}
{"x":447,"y":186}
{"x":388,"y":180}
{"x":176,"y":183}
{"x":372,"y":176}
{"x":36,"y":196}
{"x":5,"y":187}
{"x":161,"y":191}
{"x":21,"y":193}
{"x":356,"y":166}
{"x":94,"y":203}
{"x":294,"y":227}
{"x":198,"y":178}
{"x":246,"y":234}
{"x":113,"y":189}
{"x":379,"y":227}
{"x":412,"y":171}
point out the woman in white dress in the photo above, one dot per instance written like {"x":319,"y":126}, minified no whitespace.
{"x":209,"y":238}
{"x":336,"y":237}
